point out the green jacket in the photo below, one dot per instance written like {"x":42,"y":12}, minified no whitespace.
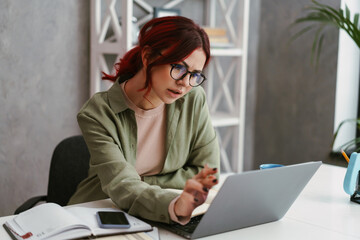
{"x":110,"y":131}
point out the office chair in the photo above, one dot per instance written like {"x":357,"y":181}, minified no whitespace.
{"x":69,"y":166}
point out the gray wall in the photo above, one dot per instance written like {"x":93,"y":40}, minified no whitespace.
{"x":44,"y":72}
{"x":294,"y":109}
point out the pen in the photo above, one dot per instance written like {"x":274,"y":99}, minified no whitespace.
{"x":345,"y":156}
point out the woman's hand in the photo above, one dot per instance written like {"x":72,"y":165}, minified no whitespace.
{"x":195,"y":192}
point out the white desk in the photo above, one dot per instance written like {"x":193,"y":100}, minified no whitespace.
{"x":322,"y":211}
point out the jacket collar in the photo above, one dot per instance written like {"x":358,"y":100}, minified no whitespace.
{"x":116,"y":96}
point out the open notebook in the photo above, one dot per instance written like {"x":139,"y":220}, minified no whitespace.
{"x":51,"y":221}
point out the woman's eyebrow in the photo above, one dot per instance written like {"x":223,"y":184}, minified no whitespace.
{"x":187,"y":66}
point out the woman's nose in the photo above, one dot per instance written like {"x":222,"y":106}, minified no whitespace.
{"x":185,"y":81}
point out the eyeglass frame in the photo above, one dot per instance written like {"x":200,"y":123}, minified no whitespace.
{"x":173,"y":65}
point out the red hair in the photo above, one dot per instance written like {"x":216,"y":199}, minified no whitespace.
{"x":174,"y":37}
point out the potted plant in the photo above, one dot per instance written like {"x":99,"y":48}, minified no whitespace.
{"x":319,"y":16}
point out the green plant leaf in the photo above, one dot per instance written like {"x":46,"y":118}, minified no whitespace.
{"x":319,"y":49}
{"x":356,"y":20}
{"x":304,"y":30}
{"x":347,"y":11}
{"x":340,"y":125}
{"x":315,"y":46}
{"x":352,"y":143}
{"x":327,"y":15}
{"x":349,"y":144}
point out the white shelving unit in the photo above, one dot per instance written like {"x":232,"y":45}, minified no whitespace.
{"x":226,"y":73}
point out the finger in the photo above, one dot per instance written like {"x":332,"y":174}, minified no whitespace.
{"x":208,"y":170}
{"x":209,"y":182}
{"x":193,"y":186}
{"x":202,"y":173}
{"x":205,"y":172}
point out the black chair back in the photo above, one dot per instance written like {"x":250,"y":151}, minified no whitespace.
{"x":69,"y":166}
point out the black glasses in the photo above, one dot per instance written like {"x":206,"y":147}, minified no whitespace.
{"x":178,"y":72}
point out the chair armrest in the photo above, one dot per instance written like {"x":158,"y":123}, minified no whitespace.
{"x":30,"y":203}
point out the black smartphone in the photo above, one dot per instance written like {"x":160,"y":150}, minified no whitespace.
{"x":112,"y":219}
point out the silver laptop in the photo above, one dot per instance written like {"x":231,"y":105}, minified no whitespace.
{"x":248,"y":199}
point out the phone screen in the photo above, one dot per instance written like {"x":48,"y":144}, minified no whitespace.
{"x":109,"y":219}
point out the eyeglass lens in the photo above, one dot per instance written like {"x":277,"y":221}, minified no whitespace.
{"x":179,"y":71}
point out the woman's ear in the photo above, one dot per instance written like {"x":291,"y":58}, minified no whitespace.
{"x":145,"y":56}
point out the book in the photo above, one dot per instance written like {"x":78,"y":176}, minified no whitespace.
{"x":51,"y":221}
{"x":132,"y":236}
{"x":152,"y":235}
{"x":215,"y":32}
{"x":218,"y":37}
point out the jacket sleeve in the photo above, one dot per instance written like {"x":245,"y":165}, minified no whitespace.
{"x":202,"y":145}
{"x":119,"y":179}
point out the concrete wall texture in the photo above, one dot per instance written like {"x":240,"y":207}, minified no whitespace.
{"x":44,"y":80}
{"x":294,"y":112}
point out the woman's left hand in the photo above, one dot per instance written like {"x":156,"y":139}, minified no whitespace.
{"x":195,"y":192}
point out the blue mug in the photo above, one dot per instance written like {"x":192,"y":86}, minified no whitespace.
{"x":270,"y":165}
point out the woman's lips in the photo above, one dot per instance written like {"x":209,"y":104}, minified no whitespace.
{"x":175,"y":93}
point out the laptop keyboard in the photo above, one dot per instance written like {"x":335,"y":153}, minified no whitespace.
{"x":190,"y":226}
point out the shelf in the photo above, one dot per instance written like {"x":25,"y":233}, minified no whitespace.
{"x":228,"y":68}
{"x":231,"y":52}
{"x":224,"y":120}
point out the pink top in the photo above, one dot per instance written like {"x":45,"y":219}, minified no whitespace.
{"x":151,"y":135}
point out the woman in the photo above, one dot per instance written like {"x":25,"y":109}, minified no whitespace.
{"x":151,"y":130}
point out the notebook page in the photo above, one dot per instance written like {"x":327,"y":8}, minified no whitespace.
{"x":88,"y":215}
{"x":40,"y":221}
